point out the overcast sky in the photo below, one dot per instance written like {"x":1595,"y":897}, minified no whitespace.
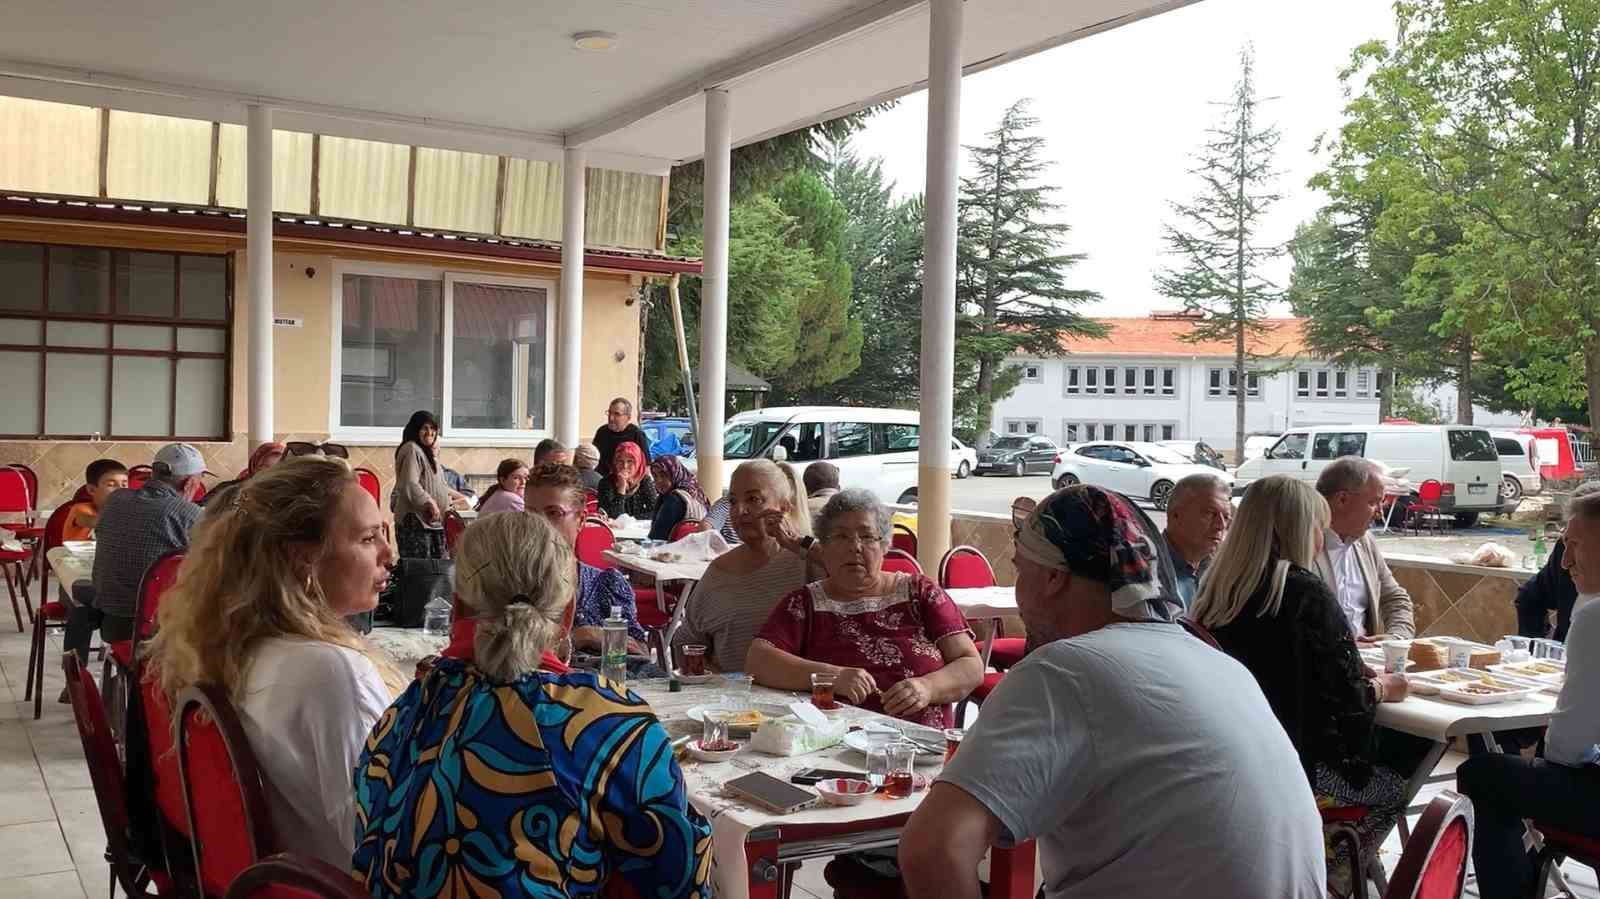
{"x":1124,"y":111}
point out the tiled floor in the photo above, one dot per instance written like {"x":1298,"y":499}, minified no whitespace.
{"x":52,"y":843}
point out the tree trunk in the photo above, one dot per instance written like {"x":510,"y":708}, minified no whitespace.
{"x":1464,"y":382}
{"x":1385,"y":394}
{"x":1591,"y":377}
{"x":985,"y":413}
{"x":1241,"y":394}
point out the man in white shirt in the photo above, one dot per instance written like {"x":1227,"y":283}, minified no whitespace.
{"x":1563,"y":788}
{"x":1143,"y":761}
{"x":1374,"y":604}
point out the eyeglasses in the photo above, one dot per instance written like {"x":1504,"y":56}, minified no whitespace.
{"x":865,"y":540}
{"x":306,"y":448}
{"x":1021,"y":508}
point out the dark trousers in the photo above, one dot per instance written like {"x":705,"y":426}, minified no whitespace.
{"x":81,"y":624}
{"x":1505,"y":789}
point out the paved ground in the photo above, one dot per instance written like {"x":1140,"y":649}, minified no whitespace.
{"x":994,"y":493}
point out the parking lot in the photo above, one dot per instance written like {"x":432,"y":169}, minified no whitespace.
{"x":994,"y":493}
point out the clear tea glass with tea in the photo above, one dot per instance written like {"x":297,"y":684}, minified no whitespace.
{"x":822,"y":692}
{"x":952,"y":742}
{"x":693,"y":662}
{"x":901,"y":779}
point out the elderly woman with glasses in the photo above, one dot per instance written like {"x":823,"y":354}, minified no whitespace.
{"x":893,"y":642}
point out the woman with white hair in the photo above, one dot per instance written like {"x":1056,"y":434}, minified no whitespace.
{"x":1268,"y":610}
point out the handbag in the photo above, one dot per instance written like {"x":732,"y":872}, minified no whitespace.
{"x":421,"y":581}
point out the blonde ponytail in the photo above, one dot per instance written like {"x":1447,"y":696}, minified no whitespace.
{"x":517,"y":575}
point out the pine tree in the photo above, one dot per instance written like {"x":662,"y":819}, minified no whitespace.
{"x":1010,"y":266}
{"x":1217,"y":235}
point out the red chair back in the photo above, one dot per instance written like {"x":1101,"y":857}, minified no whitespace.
{"x":1434,"y":862}
{"x":290,"y":876}
{"x":105,"y":771}
{"x":904,"y":540}
{"x":224,"y":790}
{"x":368,"y":479}
{"x":155,"y":582}
{"x":137,"y":475}
{"x":1430,"y":491}
{"x":168,"y":782}
{"x":899,"y":560}
{"x":19,"y":490}
{"x":684,"y":528}
{"x":593,"y":541}
{"x":591,"y":502}
{"x":965,"y":566}
{"x":454,"y":527}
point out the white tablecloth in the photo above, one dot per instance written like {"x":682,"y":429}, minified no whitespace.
{"x":985,"y":602}
{"x":661,"y":571}
{"x":1440,"y":720}
{"x":69,"y":567}
{"x":633,"y":530}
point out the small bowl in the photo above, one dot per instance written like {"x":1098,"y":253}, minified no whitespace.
{"x":703,"y":755}
{"x":844,"y":791}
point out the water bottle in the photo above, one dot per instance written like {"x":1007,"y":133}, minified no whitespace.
{"x":436,"y":618}
{"x":1540,"y":551}
{"x":614,"y":647}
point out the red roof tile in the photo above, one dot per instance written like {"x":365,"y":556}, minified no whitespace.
{"x":1163,"y":335}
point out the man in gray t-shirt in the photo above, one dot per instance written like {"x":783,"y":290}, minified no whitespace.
{"x":1144,"y":762}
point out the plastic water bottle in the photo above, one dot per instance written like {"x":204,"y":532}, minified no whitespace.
{"x":1540,"y":551}
{"x":614,"y":647}
{"x":436,"y":618}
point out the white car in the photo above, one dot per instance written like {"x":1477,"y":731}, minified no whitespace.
{"x":1137,"y":470}
{"x":963,"y":459}
{"x":1519,"y":461}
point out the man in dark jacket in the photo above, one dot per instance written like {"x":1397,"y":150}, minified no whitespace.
{"x":618,"y":429}
{"x":1551,"y":588}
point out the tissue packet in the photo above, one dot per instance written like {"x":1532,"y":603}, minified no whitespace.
{"x":789,"y":735}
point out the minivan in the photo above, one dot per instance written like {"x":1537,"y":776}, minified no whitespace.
{"x":1463,"y":458}
{"x":875,"y":449}
{"x":1519,"y":459}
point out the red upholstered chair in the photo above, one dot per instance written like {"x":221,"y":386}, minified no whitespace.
{"x":119,"y":656}
{"x":224,"y":789}
{"x":52,"y":613}
{"x":166,"y":779}
{"x":1561,"y":844}
{"x":966,"y":567}
{"x":1433,"y":864}
{"x":19,"y":490}
{"x":454,"y":527}
{"x":1425,"y":508}
{"x":897,"y":559}
{"x":1339,"y":826}
{"x":137,"y":475}
{"x":134,"y":875}
{"x":368,"y":479}
{"x":904,"y":539}
{"x":290,"y":876}
{"x":684,"y":528}
{"x":593,"y":541}
{"x":591,"y":502}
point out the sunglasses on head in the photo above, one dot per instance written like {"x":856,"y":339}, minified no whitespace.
{"x":306,"y":448}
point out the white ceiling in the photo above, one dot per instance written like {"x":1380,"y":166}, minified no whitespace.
{"x":502,"y":75}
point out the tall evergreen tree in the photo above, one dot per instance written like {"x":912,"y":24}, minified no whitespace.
{"x":1217,"y":237}
{"x":829,"y":340}
{"x":1010,"y":267}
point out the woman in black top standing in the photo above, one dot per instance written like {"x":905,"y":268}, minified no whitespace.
{"x":1269,"y":611}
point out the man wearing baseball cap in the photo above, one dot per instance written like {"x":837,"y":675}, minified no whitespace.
{"x":136,"y":528}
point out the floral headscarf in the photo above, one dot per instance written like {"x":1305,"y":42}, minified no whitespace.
{"x":683,"y":483}
{"x":1104,"y":537}
{"x":640,"y":471}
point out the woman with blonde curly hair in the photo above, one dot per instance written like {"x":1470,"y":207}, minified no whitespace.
{"x":258,"y":610}
{"x":552,"y":783}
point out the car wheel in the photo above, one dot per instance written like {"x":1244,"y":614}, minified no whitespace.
{"x":1466,"y":519}
{"x":1511,"y":490}
{"x":1019,"y":470}
{"x":964,"y":471}
{"x":1066,"y":480}
{"x":909,"y":498}
{"x":1160,"y":492}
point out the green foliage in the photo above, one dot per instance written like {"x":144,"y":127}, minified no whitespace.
{"x":1409,"y":406}
{"x":1216,"y":236}
{"x":1010,"y":267}
{"x":828,"y":342}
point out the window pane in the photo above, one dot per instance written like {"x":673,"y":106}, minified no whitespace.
{"x":1166,"y":432}
{"x":1168,"y":381}
{"x":202,"y":340}
{"x":141,"y":396}
{"x":499,"y":371}
{"x":80,"y":281}
{"x":147,"y":284}
{"x":1088,"y":432}
{"x":1302,"y":382}
{"x":93,"y":334}
{"x":1111,"y":379}
{"x":1072,"y":434}
{"x":1130,"y":432}
{"x":392,"y":352}
{"x":1091,"y":378}
{"x":203,"y":281}
{"x":855,"y":439}
{"x":803,"y":442}
{"x":201,"y":398}
{"x":21,"y":331}
{"x":1130,"y":380}
{"x":21,"y":277}
{"x":1149,"y":433}
{"x":142,"y":337}
{"x":901,"y":438}
{"x":19,"y":401}
{"x":75,"y":393}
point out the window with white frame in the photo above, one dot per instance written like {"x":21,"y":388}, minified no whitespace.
{"x":1091,"y":380}
{"x":1089,"y":431}
{"x":473,"y":348}
{"x":1130,"y":380}
{"x":1169,"y":381}
{"x":1217,"y":377}
{"x":1167,"y":431}
{"x":1072,"y":380}
{"x":1129,"y":431}
{"x":1069,"y":433}
{"x":1110,"y":380}
{"x":1363,"y":383}
{"x":1336,"y":383}
{"x":1341,"y":384}
{"x":1023,"y":426}
{"x":1032,"y":373}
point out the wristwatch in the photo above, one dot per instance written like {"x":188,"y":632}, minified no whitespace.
{"x":807,"y":542}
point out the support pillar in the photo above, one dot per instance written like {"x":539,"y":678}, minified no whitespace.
{"x":714,"y":295}
{"x":258,"y":250}
{"x":569,"y":352}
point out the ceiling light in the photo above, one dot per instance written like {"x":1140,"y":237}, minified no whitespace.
{"x":594,"y":40}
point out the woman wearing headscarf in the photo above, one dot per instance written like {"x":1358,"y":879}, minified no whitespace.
{"x":266,"y":455}
{"x":421,"y":496}
{"x":628,"y":490}
{"x":681,"y":496}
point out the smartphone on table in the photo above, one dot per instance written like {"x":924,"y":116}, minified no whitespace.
{"x":771,"y":793}
{"x":812,"y":776}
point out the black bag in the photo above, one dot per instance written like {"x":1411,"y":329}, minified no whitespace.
{"x":421,"y":580}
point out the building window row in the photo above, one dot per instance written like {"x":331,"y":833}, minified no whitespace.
{"x":1024,"y":427}
{"x":1126,"y":380}
{"x":1336,"y":384}
{"x":1132,"y":431}
{"x":1216,"y":378}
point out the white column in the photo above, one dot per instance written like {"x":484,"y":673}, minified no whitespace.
{"x":569,"y":355}
{"x":939,"y":282}
{"x":258,"y":248}
{"x":714,"y":294}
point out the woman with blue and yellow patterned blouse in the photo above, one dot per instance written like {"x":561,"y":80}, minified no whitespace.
{"x":493,"y":778}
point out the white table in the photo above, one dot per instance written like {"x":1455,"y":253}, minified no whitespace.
{"x":633,"y":530}
{"x":70,"y":568}
{"x":661,"y":571}
{"x":985,"y":602}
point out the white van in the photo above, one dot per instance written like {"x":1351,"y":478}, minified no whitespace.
{"x":1519,"y":459}
{"x":1463,"y":458}
{"x":873,"y":448}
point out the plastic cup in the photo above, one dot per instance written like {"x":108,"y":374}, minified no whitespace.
{"x":1394,"y":656}
{"x":694,"y":659}
{"x":713,"y":729}
{"x":1554,"y":650}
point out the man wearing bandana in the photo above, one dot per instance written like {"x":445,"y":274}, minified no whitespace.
{"x":1144,"y":762}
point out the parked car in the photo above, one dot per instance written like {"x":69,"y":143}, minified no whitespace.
{"x":1138,"y":470}
{"x":875,"y":449}
{"x":964,"y":457}
{"x":668,"y":436}
{"x":1017,"y":455}
{"x":1519,"y":461}
{"x":1256,"y":444}
{"x":1461,"y":457}
{"x":1197,"y":451}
